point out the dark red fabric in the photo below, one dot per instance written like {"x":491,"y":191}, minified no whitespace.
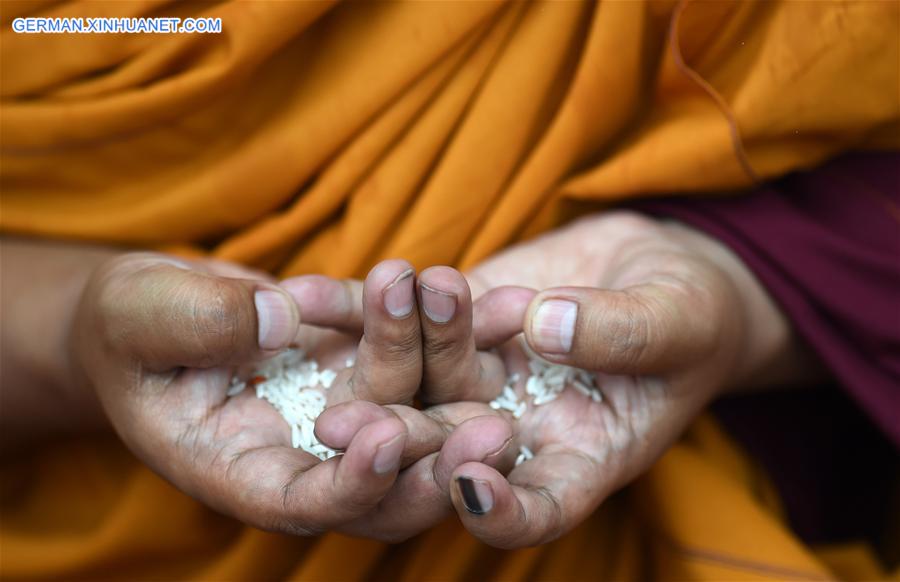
{"x":826,"y":245}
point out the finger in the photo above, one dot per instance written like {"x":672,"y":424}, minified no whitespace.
{"x":491,"y":437}
{"x":285,"y":489}
{"x":428,"y":430}
{"x":645,"y":329}
{"x":337,"y":426}
{"x":420,"y":497}
{"x":452,"y":368}
{"x":485,"y":439}
{"x":389,"y":360}
{"x":542,"y":499}
{"x":327,"y":302}
{"x":499,"y":314}
{"x":167,"y":316}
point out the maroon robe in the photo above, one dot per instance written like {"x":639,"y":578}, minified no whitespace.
{"x":826,"y":245}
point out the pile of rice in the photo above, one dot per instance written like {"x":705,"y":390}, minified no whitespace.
{"x":295,"y":386}
{"x":545,"y":383}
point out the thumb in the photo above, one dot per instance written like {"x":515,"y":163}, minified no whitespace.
{"x":165,"y":315}
{"x":644,"y":329}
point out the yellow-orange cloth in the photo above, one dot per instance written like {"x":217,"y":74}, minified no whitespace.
{"x":313,"y":136}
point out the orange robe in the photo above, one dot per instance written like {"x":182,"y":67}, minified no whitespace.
{"x":321,"y":137}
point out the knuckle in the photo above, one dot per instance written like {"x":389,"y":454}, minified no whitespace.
{"x":624,"y":334}
{"x":357,"y":500}
{"x":451,"y":370}
{"x":403,"y":349}
{"x":443,"y":385}
{"x":214,"y":319}
{"x":438,"y":346}
{"x":634,"y":337}
{"x":385,"y":383}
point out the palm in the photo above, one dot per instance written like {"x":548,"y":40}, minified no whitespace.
{"x":586,"y":449}
{"x":582,"y":255}
{"x":606,"y":433}
{"x":241,"y":443}
{"x":237,"y":442}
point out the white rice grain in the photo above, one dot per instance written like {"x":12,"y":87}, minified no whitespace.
{"x":545,"y":398}
{"x":581,"y":387}
{"x":235,"y":388}
{"x":525,"y":454}
{"x":520,"y":410}
{"x":292,"y":384}
{"x":295,"y":436}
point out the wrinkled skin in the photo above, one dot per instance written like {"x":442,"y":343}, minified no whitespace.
{"x":666,"y":317}
{"x":159,"y":340}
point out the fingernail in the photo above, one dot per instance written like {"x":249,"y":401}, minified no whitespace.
{"x":398,"y":296}
{"x":499,"y":450}
{"x":477,"y":495}
{"x":275,"y":316}
{"x":387,"y":456}
{"x":439,"y":306}
{"x":553,"y":326}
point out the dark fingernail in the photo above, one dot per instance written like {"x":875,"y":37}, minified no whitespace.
{"x":476,"y":494}
{"x":439,"y":306}
{"x":398,"y":296}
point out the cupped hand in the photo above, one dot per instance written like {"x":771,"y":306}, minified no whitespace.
{"x":159,"y":339}
{"x":417,"y":344}
{"x":666,"y":317}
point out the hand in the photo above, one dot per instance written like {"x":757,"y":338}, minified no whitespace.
{"x":159,"y":339}
{"x":435,"y":340}
{"x":666,"y":317}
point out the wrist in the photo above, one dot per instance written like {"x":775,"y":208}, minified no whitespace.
{"x":42,"y":285}
{"x":769,"y":353}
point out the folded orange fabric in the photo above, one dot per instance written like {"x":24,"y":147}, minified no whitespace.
{"x":322,"y":137}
